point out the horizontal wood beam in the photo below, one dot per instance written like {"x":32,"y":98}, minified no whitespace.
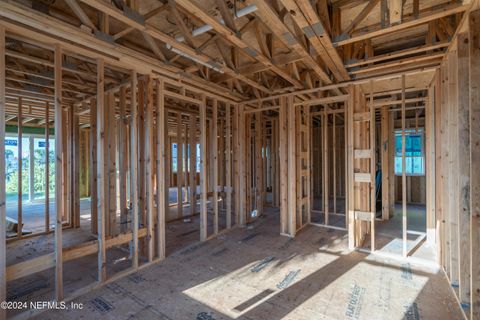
{"x":345,"y":84}
{"x":398,"y":63}
{"x":447,"y":11}
{"x":47,"y":261}
{"x":397,"y":54}
{"x":324,"y":100}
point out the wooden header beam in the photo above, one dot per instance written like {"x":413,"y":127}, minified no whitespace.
{"x":440,"y":13}
{"x":344,"y":84}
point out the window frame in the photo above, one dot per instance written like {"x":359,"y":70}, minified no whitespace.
{"x":410,"y":132}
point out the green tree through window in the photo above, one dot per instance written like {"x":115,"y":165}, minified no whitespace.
{"x":414,"y":152}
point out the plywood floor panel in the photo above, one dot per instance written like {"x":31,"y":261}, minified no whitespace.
{"x":214,"y":280}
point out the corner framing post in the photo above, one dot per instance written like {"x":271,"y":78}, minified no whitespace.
{"x":462,"y":169}
{"x":474,"y":115}
{"x":102,"y":173}
{"x":292,"y":192}
{"x":58,"y":175}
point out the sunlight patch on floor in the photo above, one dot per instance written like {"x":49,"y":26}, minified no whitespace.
{"x":242,"y":290}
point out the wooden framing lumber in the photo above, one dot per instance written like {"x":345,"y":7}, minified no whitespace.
{"x":399,"y":53}
{"x":292,"y":196}
{"x":179,"y":166}
{"x":20,"y":169}
{"x":248,"y":147}
{"x":225,"y":32}
{"x":47,"y":167}
{"x":385,"y":154}
{"x":134,"y":168}
{"x":373,"y":166}
{"x":74,"y":167}
{"x":241,"y":148}
{"x":149,"y":163}
{"x":47,"y":261}
{"x":438,"y":168}
{"x":404,"y":175}
{"x":80,"y":13}
{"x":396,"y":11}
{"x":162,"y":187}
{"x":334,"y":161}
{"x":474,"y":116}
{"x":283,"y":157}
{"x":257,"y":156}
{"x":58,"y":176}
{"x":122,"y":157}
{"x":325,"y":171}
{"x":70,"y":38}
{"x":307,"y":20}
{"x":445,"y":161}
{"x":101,"y":174}
{"x":463,"y":168}
{"x":452,"y":105}
{"x":440,"y":13}
{"x":228,"y":165}
{"x":192,"y":136}
{"x":203,"y":170}
{"x":267,"y":14}
{"x":349,"y":109}
{"x":3,"y":236}
{"x":94,"y":166}
{"x":361,"y":16}
{"x":110,"y":165}
{"x":214,"y":167}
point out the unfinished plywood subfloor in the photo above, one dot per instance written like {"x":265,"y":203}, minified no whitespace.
{"x":83,"y":271}
{"x":388,"y":234}
{"x":226,"y":279}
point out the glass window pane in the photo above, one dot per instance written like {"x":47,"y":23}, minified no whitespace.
{"x":11,"y":168}
{"x":25,"y":167}
{"x":198,"y":157}
{"x":174,"y":157}
{"x":414,"y":153}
